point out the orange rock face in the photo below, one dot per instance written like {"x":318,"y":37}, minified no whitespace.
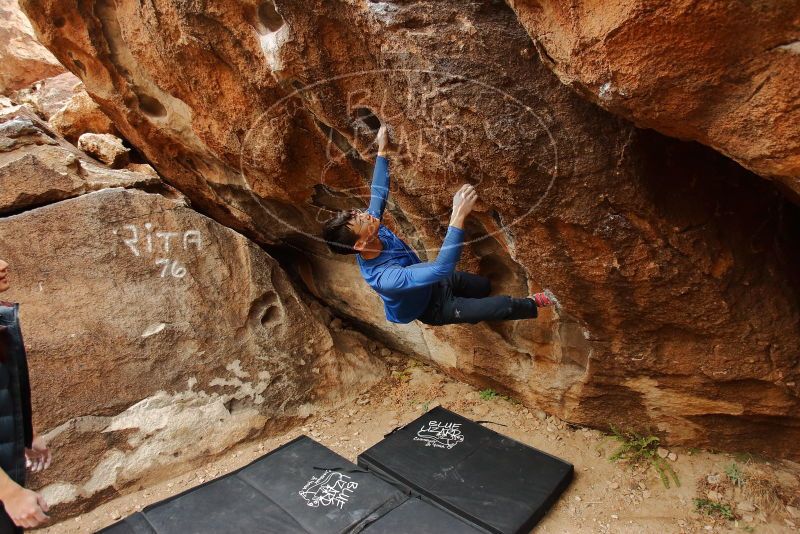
{"x":675,"y":266}
{"x":721,"y":73}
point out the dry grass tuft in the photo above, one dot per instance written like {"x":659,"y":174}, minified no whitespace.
{"x":763,"y":489}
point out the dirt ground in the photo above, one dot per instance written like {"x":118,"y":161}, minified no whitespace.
{"x":605,"y":497}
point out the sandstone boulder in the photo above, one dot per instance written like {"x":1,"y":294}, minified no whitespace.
{"x":142,"y":361}
{"x":721,"y":73}
{"x":82,"y":115}
{"x":675,"y":266}
{"x":48,"y":96}
{"x":142,"y":168}
{"x":158,"y":337}
{"x":21,"y":130}
{"x":106,"y":148}
{"x":24,"y":60}
{"x":35,"y":174}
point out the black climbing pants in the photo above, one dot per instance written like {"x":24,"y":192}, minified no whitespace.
{"x":464,"y":298}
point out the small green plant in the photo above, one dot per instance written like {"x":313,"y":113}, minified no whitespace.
{"x":713,"y":508}
{"x":488,"y":394}
{"x":402,"y":376}
{"x":424,"y":406}
{"x":637,"y":448}
{"x":735,"y":474}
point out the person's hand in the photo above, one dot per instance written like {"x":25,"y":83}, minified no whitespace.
{"x":382,"y":139}
{"x":38,"y":457}
{"x":463,"y":202}
{"x":26,"y":508}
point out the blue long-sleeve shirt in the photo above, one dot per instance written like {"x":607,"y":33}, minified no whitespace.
{"x":397,"y":274}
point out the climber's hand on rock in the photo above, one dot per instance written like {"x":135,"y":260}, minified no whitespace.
{"x":463,"y":202}
{"x":38,"y":457}
{"x":383,"y":140}
{"x":25,"y":507}
{"x":464,"y":199}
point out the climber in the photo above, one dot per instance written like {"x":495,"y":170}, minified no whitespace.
{"x":20,"y":447}
{"x":432,"y":292}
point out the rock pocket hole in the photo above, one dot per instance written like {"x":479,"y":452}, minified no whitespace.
{"x":368,"y":120}
{"x":271,"y":315}
{"x":79,"y":65}
{"x":504,"y":278}
{"x":150,"y":106}
{"x":272,"y":31}
{"x":235,"y":405}
{"x":269,"y":17}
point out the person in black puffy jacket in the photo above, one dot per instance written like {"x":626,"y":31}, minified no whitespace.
{"x":19,"y":447}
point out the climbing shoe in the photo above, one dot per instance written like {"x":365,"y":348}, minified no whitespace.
{"x":545,"y":299}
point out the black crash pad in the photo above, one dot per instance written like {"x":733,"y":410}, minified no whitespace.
{"x":417,"y":517}
{"x":301,"y":487}
{"x":488,"y":479}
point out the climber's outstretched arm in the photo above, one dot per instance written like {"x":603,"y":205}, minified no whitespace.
{"x":379,"y":191}
{"x":399,"y":279}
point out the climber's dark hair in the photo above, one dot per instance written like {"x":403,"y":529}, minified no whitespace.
{"x":338,"y":236}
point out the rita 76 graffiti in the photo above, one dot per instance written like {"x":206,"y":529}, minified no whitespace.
{"x":151,"y":242}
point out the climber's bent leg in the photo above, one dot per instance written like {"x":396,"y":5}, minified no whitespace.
{"x":470,"y":285}
{"x":445,"y":308}
{"x":497,"y":308}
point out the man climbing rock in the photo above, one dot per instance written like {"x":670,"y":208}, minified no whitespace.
{"x":431,"y":292}
{"x":19,"y":446}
